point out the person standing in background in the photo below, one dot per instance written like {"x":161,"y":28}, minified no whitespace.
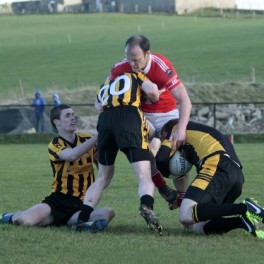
{"x":56,"y":99}
{"x":39,"y":105}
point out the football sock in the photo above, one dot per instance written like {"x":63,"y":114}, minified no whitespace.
{"x":203,"y":212}
{"x":147,"y":200}
{"x":155,"y":174}
{"x":85,"y":213}
{"x":222,"y":225}
{"x":157,"y":179}
{"x":180,"y":197}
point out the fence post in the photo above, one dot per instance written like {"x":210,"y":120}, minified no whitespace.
{"x":136,"y":8}
{"x":149,"y":9}
{"x":214,"y":111}
{"x":231,"y":138}
{"x":252,"y":74}
{"x":21,"y":88}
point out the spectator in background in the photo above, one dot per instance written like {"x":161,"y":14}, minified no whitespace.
{"x":39,"y":105}
{"x":56,"y":99}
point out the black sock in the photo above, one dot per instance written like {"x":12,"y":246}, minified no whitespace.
{"x":85,"y":213}
{"x":222,"y":225}
{"x":204,"y":212}
{"x":147,"y":200}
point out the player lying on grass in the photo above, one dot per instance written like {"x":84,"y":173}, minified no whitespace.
{"x":208,"y":205}
{"x":72,"y":157}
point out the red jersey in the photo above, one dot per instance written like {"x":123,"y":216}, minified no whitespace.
{"x":161,"y":72}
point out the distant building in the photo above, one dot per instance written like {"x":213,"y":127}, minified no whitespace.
{"x":187,"y":6}
{"x":126,"y":6}
{"x":250,"y":4}
{"x":169,"y":6}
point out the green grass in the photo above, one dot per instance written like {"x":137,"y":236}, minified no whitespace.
{"x":55,"y":52}
{"x":26,"y":179}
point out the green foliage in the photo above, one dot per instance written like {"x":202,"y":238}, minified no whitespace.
{"x":46,"y":138}
{"x":26,"y":178}
{"x":71,"y":51}
{"x":26,"y":138}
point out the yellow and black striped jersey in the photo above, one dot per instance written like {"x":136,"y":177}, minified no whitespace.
{"x":202,"y":141}
{"x":124,"y":90}
{"x":71,"y":177}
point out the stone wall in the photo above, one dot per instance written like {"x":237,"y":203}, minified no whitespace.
{"x":231,"y":118}
{"x":228,"y":118}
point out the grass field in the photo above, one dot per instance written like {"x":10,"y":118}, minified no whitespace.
{"x":26,"y":179}
{"x":56,"y":52}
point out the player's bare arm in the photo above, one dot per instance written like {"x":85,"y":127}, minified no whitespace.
{"x":97,"y":105}
{"x":178,"y":137}
{"x":76,"y":152}
{"x":151,"y":90}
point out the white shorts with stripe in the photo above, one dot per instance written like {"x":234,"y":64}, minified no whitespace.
{"x":158,"y":120}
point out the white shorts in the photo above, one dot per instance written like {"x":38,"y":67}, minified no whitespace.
{"x":158,"y":120}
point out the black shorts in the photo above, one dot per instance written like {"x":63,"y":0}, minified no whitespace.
{"x":62,"y":207}
{"x":124,"y":128}
{"x":219,"y":180}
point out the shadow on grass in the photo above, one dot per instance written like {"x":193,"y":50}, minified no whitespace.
{"x":139,"y":230}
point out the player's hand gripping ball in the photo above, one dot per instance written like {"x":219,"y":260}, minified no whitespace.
{"x":179,"y":166}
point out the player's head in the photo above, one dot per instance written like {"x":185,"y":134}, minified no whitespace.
{"x":138,"y":40}
{"x":137,"y":52}
{"x":167,"y":128}
{"x":56,"y":114}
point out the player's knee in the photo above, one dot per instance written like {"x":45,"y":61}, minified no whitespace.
{"x":186,"y":212}
{"x":24,"y":220}
{"x":185,"y":218}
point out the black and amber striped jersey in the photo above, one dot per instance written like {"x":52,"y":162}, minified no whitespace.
{"x":202,"y":141}
{"x":71,"y":177}
{"x":124,"y":90}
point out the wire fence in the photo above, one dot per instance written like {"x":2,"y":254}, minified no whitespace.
{"x":229,"y":118}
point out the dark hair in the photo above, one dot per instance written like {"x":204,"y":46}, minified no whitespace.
{"x":55,"y":113}
{"x":139,"y":40}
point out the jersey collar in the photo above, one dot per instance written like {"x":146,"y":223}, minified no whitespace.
{"x":146,"y":70}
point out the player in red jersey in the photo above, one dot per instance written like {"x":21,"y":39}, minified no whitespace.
{"x":174,"y":101}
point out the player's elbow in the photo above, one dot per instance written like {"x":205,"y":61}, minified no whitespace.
{"x":154,"y":96}
{"x":69,"y":155}
{"x":73,"y":157}
{"x":98,"y":106}
{"x":151,"y":90}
